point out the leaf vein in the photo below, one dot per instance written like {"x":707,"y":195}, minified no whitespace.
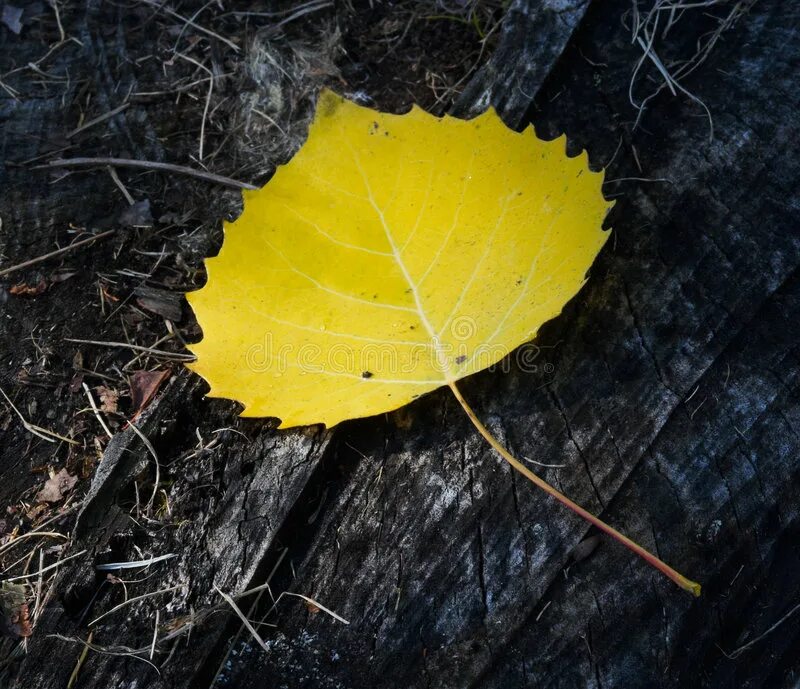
{"x":333,"y":239}
{"x":401,"y":264}
{"x":325,"y":288}
{"x":478,"y":264}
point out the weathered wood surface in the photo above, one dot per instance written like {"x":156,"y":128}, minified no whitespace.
{"x":668,"y":390}
{"x":534,"y":36}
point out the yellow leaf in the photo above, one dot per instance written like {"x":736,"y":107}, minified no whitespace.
{"x":394,"y":254}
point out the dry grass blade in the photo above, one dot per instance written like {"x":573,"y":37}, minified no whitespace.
{"x":81,"y":660}
{"x":648,"y":31}
{"x":155,"y":635}
{"x":18,"y":539}
{"x":315,"y":603}
{"x":54,"y":254}
{"x":243,"y":618}
{"x":136,"y":348}
{"x":132,"y":600}
{"x":97,"y":120}
{"x":134,"y":564}
{"x":152,"y":451}
{"x":309,"y":600}
{"x":161,"y":8}
{"x":96,"y":411}
{"x":46,"y":569}
{"x":38,"y":431}
{"x":148,"y":165}
{"x":735,"y":654}
{"x":208,"y":100}
{"x":38,"y":530}
{"x":106,"y":650}
{"x":260,"y":591}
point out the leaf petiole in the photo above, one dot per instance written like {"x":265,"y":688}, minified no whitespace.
{"x":686,"y":584}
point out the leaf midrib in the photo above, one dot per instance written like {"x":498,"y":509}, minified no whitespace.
{"x":423,"y":316}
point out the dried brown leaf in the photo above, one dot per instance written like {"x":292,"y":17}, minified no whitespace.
{"x":57,"y":487}
{"x":144,"y":385}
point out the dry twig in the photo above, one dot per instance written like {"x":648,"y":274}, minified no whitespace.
{"x":53,"y":254}
{"x":148,"y":165}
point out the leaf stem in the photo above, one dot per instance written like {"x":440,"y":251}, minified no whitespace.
{"x":686,"y":584}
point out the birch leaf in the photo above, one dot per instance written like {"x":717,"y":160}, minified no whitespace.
{"x":392,"y":255}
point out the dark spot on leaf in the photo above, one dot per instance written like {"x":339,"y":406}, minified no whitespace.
{"x":366,"y":374}
{"x":461,"y":359}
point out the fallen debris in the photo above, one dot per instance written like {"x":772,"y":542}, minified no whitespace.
{"x":57,"y":487}
{"x":144,"y":386}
